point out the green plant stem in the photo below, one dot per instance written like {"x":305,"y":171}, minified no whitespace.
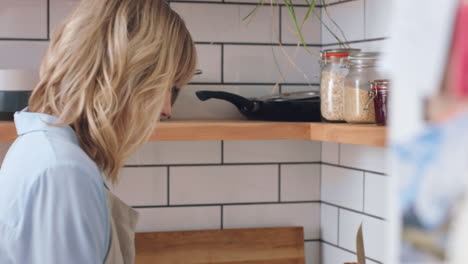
{"x":289,"y":6}
{"x":309,"y":11}
{"x":253,"y":11}
{"x":341,"y":43}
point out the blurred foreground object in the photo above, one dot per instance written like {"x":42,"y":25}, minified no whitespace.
{"x":427,"y":160}
{"x":453,"y":97}
{"x":458,"y":91}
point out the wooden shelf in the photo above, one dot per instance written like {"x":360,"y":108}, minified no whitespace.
{"x":369,"y":135}
{"x":191,"y":130}
{"x":229,"y":130}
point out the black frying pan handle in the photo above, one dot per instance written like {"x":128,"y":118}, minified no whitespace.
{"x":240,"y":102}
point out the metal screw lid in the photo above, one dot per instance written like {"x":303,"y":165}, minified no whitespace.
{"x":380,"y":85}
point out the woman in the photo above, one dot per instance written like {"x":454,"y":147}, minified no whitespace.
{"x":104,"y":83}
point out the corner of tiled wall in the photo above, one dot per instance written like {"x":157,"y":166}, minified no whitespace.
{"x":354,"y":190}
{"x":354,"y":183}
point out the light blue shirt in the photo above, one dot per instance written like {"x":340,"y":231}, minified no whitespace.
{"x":53,"y":206}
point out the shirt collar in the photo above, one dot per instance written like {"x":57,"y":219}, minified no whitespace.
{"x":28,"y":122}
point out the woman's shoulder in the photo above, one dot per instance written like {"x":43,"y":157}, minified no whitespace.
{"x":42,"y":152}
{"x":38,"y":165}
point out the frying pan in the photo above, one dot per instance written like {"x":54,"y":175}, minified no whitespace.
{"x":297,"y":107}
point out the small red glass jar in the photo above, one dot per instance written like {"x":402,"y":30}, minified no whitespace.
{"x":379,"y":92}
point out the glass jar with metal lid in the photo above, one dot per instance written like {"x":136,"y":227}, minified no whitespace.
{"x":362,"y":71}
{"x":379,"y":94}
{"x":332,"y":83}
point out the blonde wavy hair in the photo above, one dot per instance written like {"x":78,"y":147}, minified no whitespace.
{"x":108,"y":71}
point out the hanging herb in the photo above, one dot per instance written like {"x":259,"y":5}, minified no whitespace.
{"x":298,"y":27}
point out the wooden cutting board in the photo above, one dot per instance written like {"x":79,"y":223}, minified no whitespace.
{"x":284,"y":245}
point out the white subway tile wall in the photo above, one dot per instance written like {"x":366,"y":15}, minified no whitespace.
{"x":271,"y":151}
{"x":178,"y":218}
{"x":275,"y":215}
{"x":300,"y":182}
{"x":376,"y":195}
{"x":349,"y":16}
{"x":329,"y":223}
{"x":370,"y":46}
{"x":334,"y":255}
{"x":343,"y":187}
{"x":214,"y":184}
{"x":377,"y":18}
{"x":16,"y":54}
{"x":351,"y":194}
{"x":209,"y":59}
{"x":312,"y":252}
{"x":311,"y":29}
{"x":59,"y":10}
{"x":363,"y":157}
{"x":287,"y":64}
{"x":224,"y":23}
{"x":223,"y":184}
{"x":25,"y":19}
{"x":374,"y":233}
{"x":181,"y":152}
{"x":142,"y":186}
{"x":330,"y":153}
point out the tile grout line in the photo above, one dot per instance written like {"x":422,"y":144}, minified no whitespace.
{"x":356,"y":41}
{"x":228,"y":204}
{"x":222,"y":217}
{"x":222,"y":63}
{"x":363,"y":191}
{"x":252,"y":83}
{"x":320,"y":28}
{"x":339,"y":153}
{"x":320,"y":181}
{"x":337,"y":3}
{"x":228,"y":43}
{"x":217,"y":164}
{"x":338,"y":228}
{"x":313,"y":240}
{"x":48,"y":19}
{"x":354,"y":211}
{"x":223,"y":2}
{"x":321,"y":25}
{"x":365,"y":20}
{"x":280,"y":29}
{"x":321,"y":45}
{"x":222,"y":152}
{"x":25,"y":39}
{"x":168,"y":185}
{"x":356,"y":169}
{"x":279,"y":183}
